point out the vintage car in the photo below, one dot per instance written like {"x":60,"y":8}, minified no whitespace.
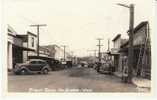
{"x":32,"y":66}
{"x":90,"y":65}
{"x":106,"y":68}
{"x":84,"y":64}
{"x":53,"y":63}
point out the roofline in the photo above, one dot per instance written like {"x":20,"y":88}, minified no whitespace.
{"x":124,"y":44}
{"x":28,"y":32}
{"x":15,"y":36}
{"x":117,"y":36}
{"x":12,"y":29}
{"x":140,"y":25}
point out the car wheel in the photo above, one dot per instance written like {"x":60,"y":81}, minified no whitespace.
{"x":23,"y":72}
{"x":45,"y":71}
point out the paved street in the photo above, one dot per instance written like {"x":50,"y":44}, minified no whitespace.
{"x":70,"y":80}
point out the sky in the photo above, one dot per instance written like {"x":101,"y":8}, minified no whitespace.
{"x":75,"y":23}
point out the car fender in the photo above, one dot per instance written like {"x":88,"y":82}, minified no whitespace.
{"x":46,"y":67}
{"x":23,"y":67}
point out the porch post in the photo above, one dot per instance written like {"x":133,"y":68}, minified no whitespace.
{"x":10,"y":56}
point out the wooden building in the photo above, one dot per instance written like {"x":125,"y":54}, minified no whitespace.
{"x":142,"y":50}
{"x":15,"y":48}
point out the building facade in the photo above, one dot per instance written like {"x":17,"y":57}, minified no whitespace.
{"x":44,"y":52}
{"x":117,"y":56}
{"x":57,"y":52}
{"x":15,"y":48}
{"x":142,"y":50}
{"x":29,"y":41}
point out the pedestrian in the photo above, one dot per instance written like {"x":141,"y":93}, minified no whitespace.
{"x":125,"y":70}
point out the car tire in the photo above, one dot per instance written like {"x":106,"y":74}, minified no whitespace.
{"x":23,"y":72}
{"x":45,"y":71}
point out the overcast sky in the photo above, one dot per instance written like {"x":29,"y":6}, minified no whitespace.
{"x":76,"y":23}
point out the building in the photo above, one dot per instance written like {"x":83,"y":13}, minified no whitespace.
{"x":105,"y":56}
{"x":142,"y":50}
{"x":57,"y":52}
{"x":29,"y":41}
{"x":44,"y":52}
{"x":15,"y":48}
{"x":117,"y":42}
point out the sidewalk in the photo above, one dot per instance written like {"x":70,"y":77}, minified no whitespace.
{"x":118,"y":74}
{"x":142,"y":84}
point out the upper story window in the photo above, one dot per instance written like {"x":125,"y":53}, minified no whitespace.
{"x":32,"y":41}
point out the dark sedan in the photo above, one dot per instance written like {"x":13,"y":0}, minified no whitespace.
{"x":32,"y":66}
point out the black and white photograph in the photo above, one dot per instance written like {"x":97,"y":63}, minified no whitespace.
{"x":78,"y":46}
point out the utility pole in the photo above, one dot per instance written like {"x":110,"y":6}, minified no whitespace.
{"x":64,"y":47}
{"x":131,"y":51}
{"x":108,"y":45}
{"x":99,"y":54}
{"x":99,"y":48}
{"x":131,"y":34}
{"x":38,"y":26}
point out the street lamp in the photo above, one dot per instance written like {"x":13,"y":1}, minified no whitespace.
{"x":131,"y":33}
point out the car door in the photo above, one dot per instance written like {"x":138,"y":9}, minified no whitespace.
{"x":41,"y":64}
{"x":33,"y":65}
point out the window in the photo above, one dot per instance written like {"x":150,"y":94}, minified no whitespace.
{"x":41,"y":62}
{"x":32,"y":41}
{"x":33,"y":62}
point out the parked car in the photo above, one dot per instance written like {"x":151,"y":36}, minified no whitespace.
{"x":84,"y":64}
{"x":55,"y":65}
{"x":90,"y":65}
{"x":69,"y":64}
{"x":51,"y":61}
{"x":106,"y":68}
{"x":32,"y":66}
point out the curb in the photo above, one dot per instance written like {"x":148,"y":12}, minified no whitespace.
{"x":138,"y":86}
{"x":119,"y":76}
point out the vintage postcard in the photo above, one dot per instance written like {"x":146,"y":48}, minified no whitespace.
{"x":78,"y":46}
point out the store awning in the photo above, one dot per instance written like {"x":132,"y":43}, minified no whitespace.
{"x":123,"y":50}
{"x":113,"y":53}
{"x":27,"y":49}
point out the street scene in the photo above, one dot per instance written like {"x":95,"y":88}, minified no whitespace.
{"x":79,"y":46}
{"x":70,"y":80}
